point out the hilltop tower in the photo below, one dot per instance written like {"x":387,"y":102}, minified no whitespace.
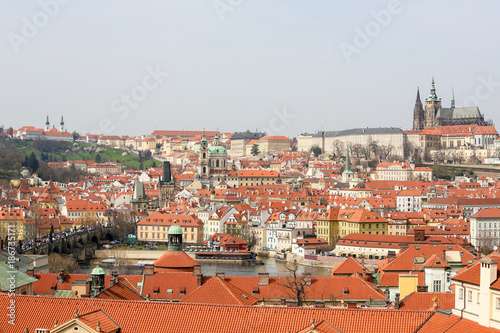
{"x":47,"y":124}
{"x":61,"y":125}
{"x":418,"y":114}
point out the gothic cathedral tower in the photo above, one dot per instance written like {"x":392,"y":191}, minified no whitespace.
{"x":432,"y":105}
{"x":418,"y":114}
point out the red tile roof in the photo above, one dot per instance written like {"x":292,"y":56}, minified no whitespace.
{"x":175,"y":259}
{"x":218,"y":291}
{"x":140,"y":316}
{"x":453,"y":324}
{"x":425,"y":301}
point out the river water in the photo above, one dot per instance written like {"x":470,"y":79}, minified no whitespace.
{"x":274,"y":268}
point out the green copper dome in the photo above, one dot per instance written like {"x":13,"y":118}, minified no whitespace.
{"x":98,"y":270}
{"x":217,"y":150}
{"x":175,"y":230}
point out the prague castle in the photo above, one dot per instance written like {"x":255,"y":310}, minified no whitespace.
{"x":434,"y":115}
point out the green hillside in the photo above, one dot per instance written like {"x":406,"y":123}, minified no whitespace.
{"x":14,"y":155}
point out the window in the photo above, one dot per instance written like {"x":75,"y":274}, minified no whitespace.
{"x":437,"y":286}
{"x":448,"y":277}
{"x":469,"y":296}
{"x":498,"y":302}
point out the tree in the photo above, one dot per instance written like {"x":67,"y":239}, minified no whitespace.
{"x":59,"y":263}
{"x":148,"y":155}
{"x":255,"y":150}
{"x":76,"y":136}
{"x":338,"y":148}
{"x":98,"y":158}
{"x":316,"y":150}
{"x":32,"y":162}
{"x":408,"y":149}
{"x":295,"y":284}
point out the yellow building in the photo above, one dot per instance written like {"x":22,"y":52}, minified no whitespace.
{"x":14,"y":223}
{"x":270,"y":144}
{"x":361,"y":221}
{"x":327,"y":226}
{"x":154,"y":228}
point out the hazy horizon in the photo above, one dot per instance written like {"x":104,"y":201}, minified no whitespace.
{"x":287,"y":67}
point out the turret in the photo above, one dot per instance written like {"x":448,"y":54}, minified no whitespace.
{"x":97,"y":280}
{"x":175,"y":237}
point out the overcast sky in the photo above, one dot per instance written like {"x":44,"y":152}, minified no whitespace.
{"x":285,"y":66}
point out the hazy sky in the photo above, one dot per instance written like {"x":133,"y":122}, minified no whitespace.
{"x":130,"y":67}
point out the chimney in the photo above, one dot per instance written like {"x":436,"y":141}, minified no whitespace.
{"x":443,"y":256}
{"x":478,"y":254}
{"x":419,"y":235}
{"x":396,"y":302}
{"x":114,"y":278}
{"x":149,"y":269}
{"x":283,"y":301}
{"x":422,"y":289}
{"x":387,"y":294}
{"x":199,"y":279}
{"x":196,"y":269}
{"x":307,"y":278}
{"x":391,"y":255}
{"x":264,"y":279}
{"x":221,"y":275}
{"x":61,"y":277}
{"x":30,"y":272}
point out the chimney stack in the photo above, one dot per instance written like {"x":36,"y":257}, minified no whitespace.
{"x":221,"y":275}
{"x":263,"y":279}
{"x":149,"y":269}
{"x":391,"y":255}
{"x":396,"y":302}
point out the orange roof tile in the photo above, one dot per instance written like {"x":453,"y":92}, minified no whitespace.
{"x":218,"y":291}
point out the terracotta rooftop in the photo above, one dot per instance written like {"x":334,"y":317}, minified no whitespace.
{"x":140,"y":316}
{"x":218,"y":291}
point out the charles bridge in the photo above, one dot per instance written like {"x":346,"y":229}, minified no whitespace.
{"x":82,"y":244}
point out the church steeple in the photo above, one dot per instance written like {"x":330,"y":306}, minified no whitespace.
{"x":418,"y":113}
{"x":204,"y":142}
{"x":47,"y":124}
{"x":452,"y":98}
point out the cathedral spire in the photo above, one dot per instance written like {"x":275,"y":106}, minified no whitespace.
{"x":432,"y":95}
{"x":418,"y":113}
{"x":452,"y":98}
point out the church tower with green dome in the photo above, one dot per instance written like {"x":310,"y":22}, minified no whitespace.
{"x":97,"y":280}
{"x":175,"y":238}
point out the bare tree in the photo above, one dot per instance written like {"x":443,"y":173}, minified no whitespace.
{"x":338,"y":148}
{"x":59,"y":263}
{"x":295,"y":284}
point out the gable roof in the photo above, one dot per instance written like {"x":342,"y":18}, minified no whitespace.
{"x":218,"y":291}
